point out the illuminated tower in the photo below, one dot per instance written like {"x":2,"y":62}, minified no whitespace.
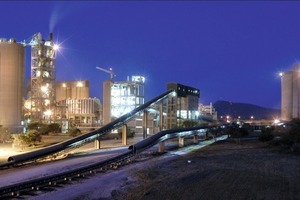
{"x":42,"y":78}
{"x":11,"y":84}
{"x":290,"y":99}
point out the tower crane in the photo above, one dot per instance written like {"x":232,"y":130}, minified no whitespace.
{"x":112,"y":74}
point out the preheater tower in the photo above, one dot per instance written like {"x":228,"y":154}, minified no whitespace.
{"x":12,"y":64}
{"x":43,"y":70}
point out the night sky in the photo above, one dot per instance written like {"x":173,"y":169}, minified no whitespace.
{"x":230,"y":50}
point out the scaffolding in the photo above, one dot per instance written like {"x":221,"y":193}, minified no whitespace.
{"x":42,"y":88}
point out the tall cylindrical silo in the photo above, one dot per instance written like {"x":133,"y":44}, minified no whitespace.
{"x":12,"y":62}
{"x":287,"y":96}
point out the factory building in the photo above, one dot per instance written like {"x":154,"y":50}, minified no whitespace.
{"x":120,"y":97}
{"x":182,"y":107}
{"x":12,"y":64}
{"x":79,"y":113}
{"x":74,"y":106}
{"x":72,"y":90}
{"x":207,"y":112}
{"x":290,"y":91}
{"x":46,"y":100}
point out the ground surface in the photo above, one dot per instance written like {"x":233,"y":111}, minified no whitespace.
{"x":223,"y":170}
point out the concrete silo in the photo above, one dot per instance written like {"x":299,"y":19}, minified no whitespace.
{"x":290,"y":94}
{"x":12,"y":64}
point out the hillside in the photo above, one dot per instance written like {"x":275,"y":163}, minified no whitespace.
{"x":244,"y":110}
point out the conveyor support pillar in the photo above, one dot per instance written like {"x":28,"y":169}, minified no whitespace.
{"x":161,"y":147}
{"x":124,"y":134}
{"x":161,"y":117}
{"x":97,"y":143}
{"x":196,"y":138}
{"x":181,"y":141}
{"x":145,"y":124}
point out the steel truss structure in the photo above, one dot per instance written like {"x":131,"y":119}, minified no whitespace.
{"x":42,"y":90}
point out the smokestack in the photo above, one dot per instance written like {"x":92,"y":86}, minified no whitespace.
{"x":51,"y":36}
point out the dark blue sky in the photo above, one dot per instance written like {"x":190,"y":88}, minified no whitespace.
{"x":230,"y":50}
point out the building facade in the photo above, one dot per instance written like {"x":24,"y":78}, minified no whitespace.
{"x":12,"y":65}
{"x":290,"y":91}
{"x":120,"y":97}
{"x":74,"y":107}
{"x":207,"y":113}
{"x":79,"y":112}
{"x":183,"y":106}
{"x":72,"y":90}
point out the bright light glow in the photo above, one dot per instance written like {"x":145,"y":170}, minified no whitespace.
{"x":79,"y":84}
{"x":281,"y":74}
{"x":174,"y":94}
{"x":56,"y":47}
{"x":276,"y":121}
{"x":47,"y":102}
{"x":27,"y":104}
{"x":64,"y":85}
{"x":46,"y":74}
{"x":8,"y":152}
{"x":38,"y":73}
{"x":228,"y":119}
{"x":44,"y":88}
{"x":139,"y":79}
{"x":48,"y":112}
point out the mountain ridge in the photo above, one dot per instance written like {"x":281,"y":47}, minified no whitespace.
{"x":245,"y":110}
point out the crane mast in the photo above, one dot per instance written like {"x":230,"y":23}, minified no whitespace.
{"x":112,"y":74}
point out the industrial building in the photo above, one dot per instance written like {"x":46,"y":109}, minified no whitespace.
{"x":120,"y":97}
{"x":290,"y":91}
{"x":207,"y":112}
{"x":74,"y":106}
{"x":69,"y":103}
{"x":78,"y":113}
{"x":184,"y":106}
{"x":72,"y":90}
{"x":12,"y":66}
